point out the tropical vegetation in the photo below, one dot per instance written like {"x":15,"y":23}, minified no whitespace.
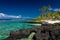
{"x":46,"y":14}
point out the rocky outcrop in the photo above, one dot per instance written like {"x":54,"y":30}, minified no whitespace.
{"x":44,"y":32}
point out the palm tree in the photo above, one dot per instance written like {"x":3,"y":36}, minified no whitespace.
{"x":44,"y":9}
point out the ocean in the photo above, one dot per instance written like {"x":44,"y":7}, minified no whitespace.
{"x":7,"y":26}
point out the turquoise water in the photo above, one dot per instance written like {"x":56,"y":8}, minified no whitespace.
{"x":7,"y":26}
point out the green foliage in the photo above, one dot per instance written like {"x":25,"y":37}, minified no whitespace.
{"x":46,"y":14}
{"x":53,"y":15}
{"x":44,"y":9}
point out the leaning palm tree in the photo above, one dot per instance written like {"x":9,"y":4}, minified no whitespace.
{"x":29,"y":37}
{"x":44,"y":9}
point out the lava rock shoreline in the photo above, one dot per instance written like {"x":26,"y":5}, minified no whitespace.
{"x":43,"y":32}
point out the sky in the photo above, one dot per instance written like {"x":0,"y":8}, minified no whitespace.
{"x":26,"y":8}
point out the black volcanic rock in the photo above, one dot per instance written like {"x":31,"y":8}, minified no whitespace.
{"x":44,"y":32}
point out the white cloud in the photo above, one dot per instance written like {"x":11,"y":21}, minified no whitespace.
{"x":55,"y":9}
{"x":51,"y":9}
{"x":2,"y":15}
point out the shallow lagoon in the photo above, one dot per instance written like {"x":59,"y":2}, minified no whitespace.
{"x":7,"y":26}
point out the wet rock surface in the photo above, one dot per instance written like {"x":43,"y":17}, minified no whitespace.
{"x":44,"y":32}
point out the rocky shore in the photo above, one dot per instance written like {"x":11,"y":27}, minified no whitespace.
{"x":43,"y":32}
